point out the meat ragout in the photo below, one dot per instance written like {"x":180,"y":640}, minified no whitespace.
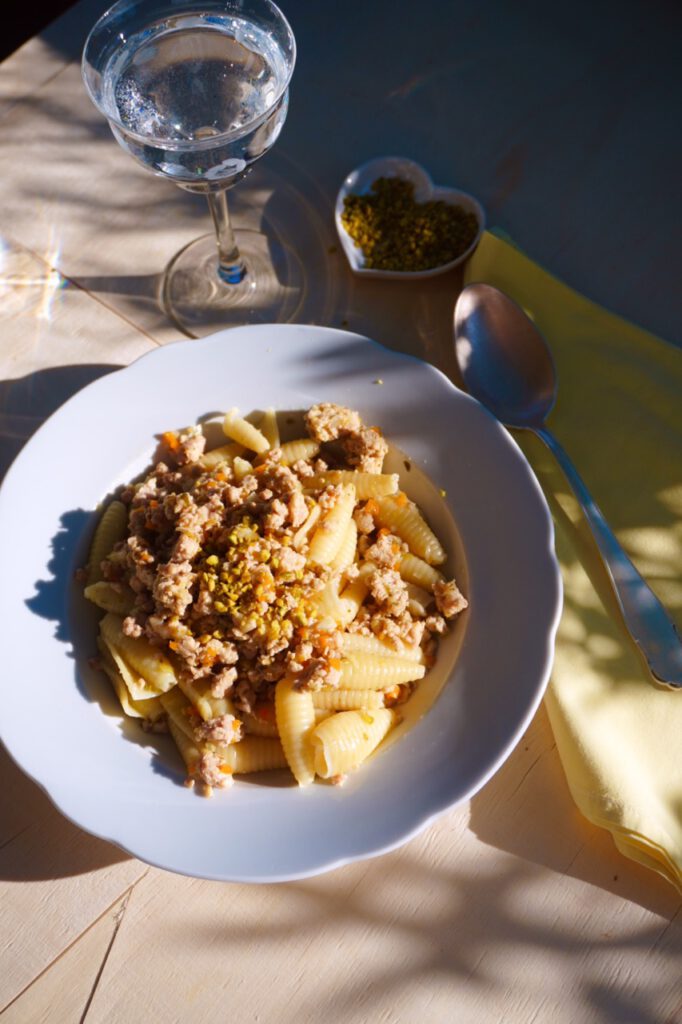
{"x":216,"y":562}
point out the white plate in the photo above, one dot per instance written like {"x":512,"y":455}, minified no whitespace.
{"x":59,"y":720}
{"x":360,"y":181}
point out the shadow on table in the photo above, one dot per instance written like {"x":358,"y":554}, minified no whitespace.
{"x":26,"y":402}
{"x":430,"y":930}
{"x":60,"y":849}
{"x":38,"y":842}
{"x":505,"y":815}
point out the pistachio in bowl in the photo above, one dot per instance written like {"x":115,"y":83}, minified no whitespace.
{"x":393,"y":222}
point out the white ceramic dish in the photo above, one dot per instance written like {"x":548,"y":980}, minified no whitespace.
{"x":360,"y":181}
{"x":60,"y":721}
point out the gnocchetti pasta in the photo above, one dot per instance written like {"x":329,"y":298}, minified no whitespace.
{"x":270,"y":604}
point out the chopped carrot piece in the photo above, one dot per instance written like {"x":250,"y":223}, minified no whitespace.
{"x":372,"y":507}
{"x":170,"y":438}
{"x":401,"y":499}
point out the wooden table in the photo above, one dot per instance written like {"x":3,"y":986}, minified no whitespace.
{"x":511,"y":908}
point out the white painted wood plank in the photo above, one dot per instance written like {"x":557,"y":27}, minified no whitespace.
{"x":39,"y":59}
{"x":112,"y":227}
{"x":28,"y":68}
{"x":56,"y":339}
{"x":445,"y":928}
{"x":55,"y":880}
{"x":62,"y":992}
{"x":529,"y":914}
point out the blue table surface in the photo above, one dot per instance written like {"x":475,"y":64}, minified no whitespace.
{"x":564,"y":120}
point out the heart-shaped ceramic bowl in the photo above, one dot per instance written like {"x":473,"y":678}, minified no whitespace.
{"x":359,"y":182}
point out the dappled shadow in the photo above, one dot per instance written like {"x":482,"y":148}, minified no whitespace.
{"x":527,"y":809}
{"x":429,"y":929}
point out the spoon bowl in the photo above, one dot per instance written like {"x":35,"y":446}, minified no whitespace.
{"x":504,"y":360}
{"x":506,"y":364}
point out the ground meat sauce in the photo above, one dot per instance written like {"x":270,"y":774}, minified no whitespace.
{"x":221,"y":579}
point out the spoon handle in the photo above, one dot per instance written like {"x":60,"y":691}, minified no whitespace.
{"x":649,"y":624}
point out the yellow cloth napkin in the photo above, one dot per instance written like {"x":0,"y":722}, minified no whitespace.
{"x":619,"y":416}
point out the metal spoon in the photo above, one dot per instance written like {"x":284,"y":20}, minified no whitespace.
{"x":507,"y":366}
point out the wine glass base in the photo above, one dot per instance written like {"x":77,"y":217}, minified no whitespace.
{"x":200,"y":302}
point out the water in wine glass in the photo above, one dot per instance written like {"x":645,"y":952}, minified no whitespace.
{"x":193,"y":97}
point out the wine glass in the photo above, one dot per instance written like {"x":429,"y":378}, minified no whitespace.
{"x":196,"y":91}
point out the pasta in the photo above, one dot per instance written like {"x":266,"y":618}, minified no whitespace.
{"x":149,"y":661}
{"x":270,"y":603}
{"x":225,"y":453}
{"x":367,"y":485}
{"x":377,"y":671}
{"x":344,"y":741}
{"x":330,"y":532}
{"x":295,"y":716}
{"x":110,"y":529}
{"x":417,"y":571}
{"x":269,"y":428}
{"x":243,"y":432}
{"x":347,"y":700}
{"x":111,"y":597}
{"x":345,"y":555}
{"x":405,"y":520}
{"x":299,"y":450}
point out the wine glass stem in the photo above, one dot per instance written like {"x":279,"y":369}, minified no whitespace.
{"x":231,"y":267}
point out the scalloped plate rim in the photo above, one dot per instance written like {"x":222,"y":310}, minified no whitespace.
{"x":78,"y":802}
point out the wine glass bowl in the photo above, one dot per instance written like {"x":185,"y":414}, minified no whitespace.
{"x":197,"y":91}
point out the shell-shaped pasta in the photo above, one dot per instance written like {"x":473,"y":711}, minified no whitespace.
{"x":240,"y":430}
{"x":189,"y":751}
{"x":254,"y":725}
{"x":111,"y":597}
{"x":364,"y":671}
{"x":301,"y":448}
{"x":295,"y":718}
{"x":269,"y":429}
{"x":403,"y":518}
{"x":301,"y":534}
{"x":149,"y":708}
{"x":352,"y":643}
{"x":138,"y":688}
{"x":344,"y":741}
{"x":347,"y":700}
{"x":328,"y":604}
{"x":331,"y":528}
{"x":419,"y":600}
{"x":216,"y":456}
{"x":416,"y":570}
{"x":241,"y":468}
{"x":367,"y":485}
{"x":109,"y":530}
{"x":352,"y":598}
{"x":148,"y":661}
{"x":254,"y":754}
{"x":345,"y":556}
{"x":200,"y":696}
{"x":176,"y":706}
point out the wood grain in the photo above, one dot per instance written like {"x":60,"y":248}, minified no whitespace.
{"x":511,"y":908}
